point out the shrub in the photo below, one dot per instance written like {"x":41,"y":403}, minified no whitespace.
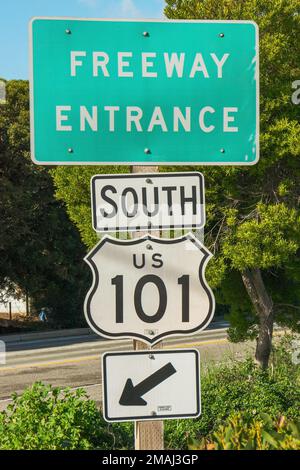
{"x":263,"y":433}
{"x":242,"y":387}
{"x":46,"y":417}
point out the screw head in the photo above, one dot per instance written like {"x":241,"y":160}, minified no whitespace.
{"x":70,"y":150}
{"x":151,"y":332}
{"x":147,"y":151}
{"x":146,"y":34}
{"x":148,"y":180}
{"x":222,"y":150}
{"x":151,"y":356}
{"x":149,"y":247}
{"x":221,"y":35}
{"x":153,"y":413}
{"x":68,"y":31}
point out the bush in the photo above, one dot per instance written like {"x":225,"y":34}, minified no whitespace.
{"x":242,"y":387}
{"x":261,"y":433}
{"x":49,"y":418}
{"x":44,"y":417}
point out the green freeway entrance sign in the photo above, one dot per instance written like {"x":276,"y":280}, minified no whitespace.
{"x":144,"y":92}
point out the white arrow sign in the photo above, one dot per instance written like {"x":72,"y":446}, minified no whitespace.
{"x":148,"y":288}
{"x":144,"y":385}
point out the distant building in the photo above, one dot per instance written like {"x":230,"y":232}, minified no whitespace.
{"x":13,"y":303}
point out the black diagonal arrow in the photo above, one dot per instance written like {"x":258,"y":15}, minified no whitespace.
{"x":132,"y":395}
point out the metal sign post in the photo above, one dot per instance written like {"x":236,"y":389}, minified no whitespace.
{"x":148,"y":435}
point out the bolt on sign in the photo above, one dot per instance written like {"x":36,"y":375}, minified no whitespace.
{"x":144,"y":201}
{"x":144,"y":92}
{"x":148,"y":288}
{"x":145,"y":385}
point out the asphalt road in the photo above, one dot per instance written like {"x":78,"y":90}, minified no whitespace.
{"x":75,"y":361}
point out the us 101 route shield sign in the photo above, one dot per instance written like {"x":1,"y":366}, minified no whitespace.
{"x":143,"y":92}
{"x":148,"y":288}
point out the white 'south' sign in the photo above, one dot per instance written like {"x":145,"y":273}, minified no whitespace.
{"x":142,"y":385}
{"x":148,"y":288}
{"x":147,"y":201}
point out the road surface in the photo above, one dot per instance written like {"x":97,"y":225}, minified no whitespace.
{"x":75,"y":361}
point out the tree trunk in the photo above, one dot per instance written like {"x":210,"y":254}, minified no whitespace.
{"x":263,"y":304}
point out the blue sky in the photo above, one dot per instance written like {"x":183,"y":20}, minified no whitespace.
{"x":15,"y":14}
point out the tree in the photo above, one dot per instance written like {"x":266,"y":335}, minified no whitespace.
{"x":73,"y":187}
{"x":253,"y":213}
{"x":40,"y":249}
{"x":253,"y":224}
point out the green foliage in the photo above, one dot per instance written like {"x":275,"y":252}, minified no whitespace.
{"x":236,"y":397}
{"x":272,"y":237}
{"x":242,"y":433}
{"x":40,"y":248}
{"x":51,"y":418}
{"x":253,"y":213}
{"x":235,"y":387}
{"x":73,"y":187}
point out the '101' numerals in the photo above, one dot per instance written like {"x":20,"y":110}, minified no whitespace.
{"x":183,"y":281}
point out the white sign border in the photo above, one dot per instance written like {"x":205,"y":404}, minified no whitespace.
{"x":150,"y":163}
{"x":153,"y":352}
{"x":153,"y":176}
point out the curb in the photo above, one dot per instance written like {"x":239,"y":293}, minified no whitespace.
{"x":17,"y":337}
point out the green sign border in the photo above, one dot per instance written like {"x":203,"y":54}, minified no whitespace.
{"x":150,"y":162}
